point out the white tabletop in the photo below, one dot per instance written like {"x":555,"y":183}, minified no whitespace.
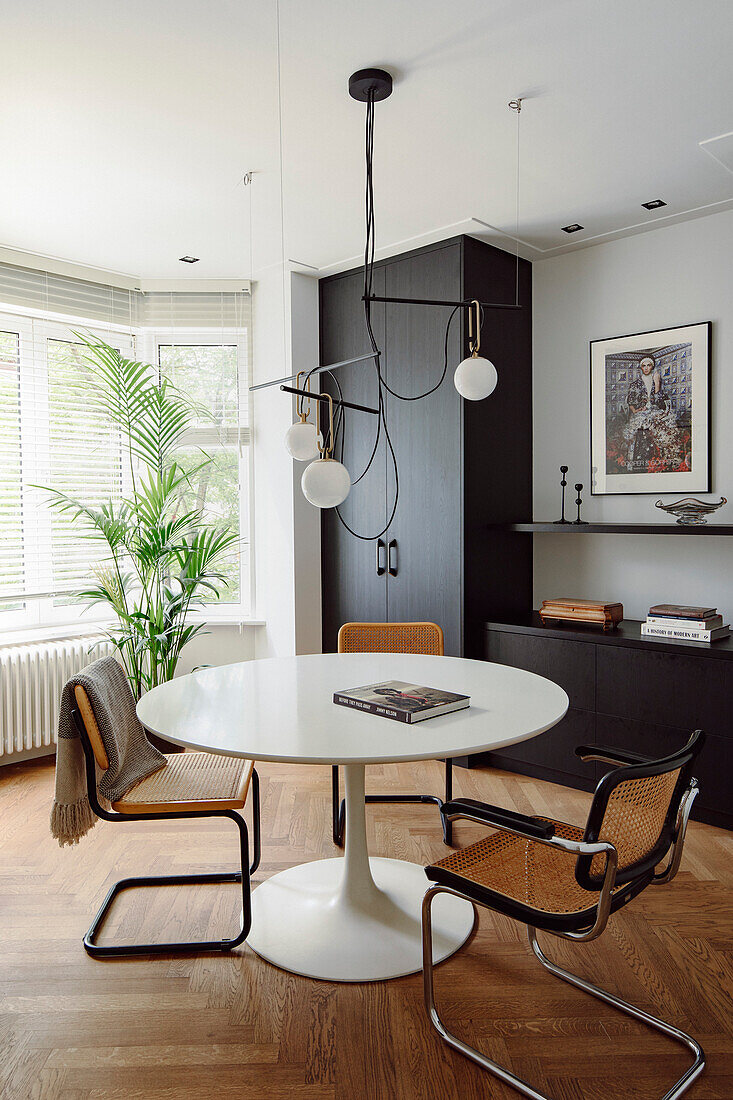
{"x":282,"y":709}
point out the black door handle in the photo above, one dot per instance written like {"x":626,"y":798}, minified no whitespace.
{"x":392,"y":557}
{"x":380,"y":559}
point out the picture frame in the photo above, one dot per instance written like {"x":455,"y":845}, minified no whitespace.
{"x":650,"y":411}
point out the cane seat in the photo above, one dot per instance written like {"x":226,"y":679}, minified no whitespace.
{"x":634,"y":809}
{"x":523,"y":878}
{"x":190,"y":781}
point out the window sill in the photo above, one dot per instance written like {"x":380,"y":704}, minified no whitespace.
{"x":28,"y":635}
{"x":226,"y":620}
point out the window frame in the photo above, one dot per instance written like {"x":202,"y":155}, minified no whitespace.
{"x":140,"y":343}
{"x":149,"y":341}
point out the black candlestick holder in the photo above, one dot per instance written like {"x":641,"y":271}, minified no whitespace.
{"x":563,"y":482}
{"x":579,"y":501}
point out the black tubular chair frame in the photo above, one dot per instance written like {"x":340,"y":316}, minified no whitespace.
{"x":379,"y":642}
{"x":243,"y":876}
{"x":532,"y":829}
{"x":338,"y":804}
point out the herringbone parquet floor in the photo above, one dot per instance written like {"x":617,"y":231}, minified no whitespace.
{"x":233,"y":1026}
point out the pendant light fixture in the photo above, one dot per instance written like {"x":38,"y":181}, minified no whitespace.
{"x":326,"y":482}
{"x":475,"y":377}
{"x":302,"y":441}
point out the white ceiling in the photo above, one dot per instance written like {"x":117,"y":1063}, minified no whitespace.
{"x":126,"y":128}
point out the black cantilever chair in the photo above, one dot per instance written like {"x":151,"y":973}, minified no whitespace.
{"x":567,"y":880}
{"x":420,"y":637}
{"x":190,"y":785}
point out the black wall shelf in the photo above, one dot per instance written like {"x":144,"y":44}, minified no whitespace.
{"x":614,"y":528}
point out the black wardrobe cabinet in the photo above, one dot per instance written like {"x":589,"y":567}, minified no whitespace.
{"x":462,"y":465}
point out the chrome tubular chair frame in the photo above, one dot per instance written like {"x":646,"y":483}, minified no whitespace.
{"x":602,"y":912}
{"x":242,"y":876}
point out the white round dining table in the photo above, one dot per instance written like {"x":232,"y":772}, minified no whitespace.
{"x":351,"y":918}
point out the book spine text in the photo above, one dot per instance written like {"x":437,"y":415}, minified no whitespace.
{"x":682,"y":633}
{"x":371,"y":708}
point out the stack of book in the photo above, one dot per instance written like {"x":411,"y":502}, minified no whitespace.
{"x":685,"y":624}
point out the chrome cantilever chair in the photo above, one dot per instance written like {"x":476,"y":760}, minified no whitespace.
{"x":190,"y":785}
{"x":425,"y":638}
{"x":566,"y":880}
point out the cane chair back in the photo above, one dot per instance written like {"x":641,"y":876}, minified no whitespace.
{"x":635,"y":808}
{"x":425,"y":638}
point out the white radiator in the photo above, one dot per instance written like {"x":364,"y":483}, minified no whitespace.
{"x":32,"y":678}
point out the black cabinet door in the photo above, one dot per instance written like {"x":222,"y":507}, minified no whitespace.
{"x":352,"y":588}
{"x":426,"y":583}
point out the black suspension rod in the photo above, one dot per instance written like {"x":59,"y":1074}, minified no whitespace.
{"x":336,"y":402}
{"x":438,"y":302}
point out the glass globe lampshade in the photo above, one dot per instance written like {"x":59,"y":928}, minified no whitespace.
{"x":475,"y":378}
{"x":301,"y":441}
{"x":325,"y":483}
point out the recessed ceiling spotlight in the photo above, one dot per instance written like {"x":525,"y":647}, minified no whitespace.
{"x":574,"y":228}
{"x":654,"y":204}
{"x":189,"y":259}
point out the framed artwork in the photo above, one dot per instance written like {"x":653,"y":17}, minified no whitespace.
{"x":650,"y":412}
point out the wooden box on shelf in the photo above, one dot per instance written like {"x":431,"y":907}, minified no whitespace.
{"x":593,"y":612}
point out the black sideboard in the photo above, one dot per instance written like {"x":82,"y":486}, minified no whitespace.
{"x":625,"y":691}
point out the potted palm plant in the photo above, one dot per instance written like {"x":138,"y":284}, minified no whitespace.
{"x":161,"y":555}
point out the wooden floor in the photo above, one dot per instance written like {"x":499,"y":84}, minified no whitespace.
{"x":234,"y":1026}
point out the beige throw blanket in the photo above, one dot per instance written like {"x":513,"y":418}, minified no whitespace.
{"x":131,"y":756}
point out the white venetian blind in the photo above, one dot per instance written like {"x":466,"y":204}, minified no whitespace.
{"x":11,"y":540}
{"x":51,"y":433}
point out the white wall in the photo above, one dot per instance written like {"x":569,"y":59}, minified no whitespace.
{"x":286,"y":528}
{"x":219,"y":645}
{"x":306,"y":518}
{"x":670,"y":276}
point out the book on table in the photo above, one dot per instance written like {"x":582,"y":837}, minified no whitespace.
{"x":401,"y":701}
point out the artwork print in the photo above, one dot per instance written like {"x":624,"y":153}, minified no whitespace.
{"x":649,"y":412}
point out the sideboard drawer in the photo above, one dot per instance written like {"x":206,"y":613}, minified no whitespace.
{"x":555,"y":749}
{"x":665,"y":689}
{"x":569,"y":664}
{"x":712,"y":769}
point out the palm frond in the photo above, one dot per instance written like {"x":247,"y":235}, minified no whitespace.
{"x":163,"y":554}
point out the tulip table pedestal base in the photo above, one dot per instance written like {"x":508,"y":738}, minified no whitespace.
{"x":353,"y":919}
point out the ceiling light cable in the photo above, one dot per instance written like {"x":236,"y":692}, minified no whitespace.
{"x":282,"y":173}
{"x":516,"y":105}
